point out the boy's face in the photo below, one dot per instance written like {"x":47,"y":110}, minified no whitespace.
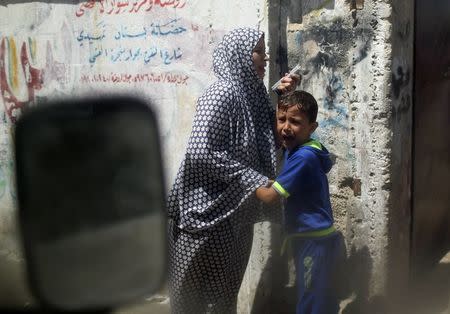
{"x":293,"y":127}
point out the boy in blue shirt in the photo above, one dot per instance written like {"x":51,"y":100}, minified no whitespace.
{"x":318,"y":249}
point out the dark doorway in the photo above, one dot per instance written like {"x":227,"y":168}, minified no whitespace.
{"x":431,"y":169}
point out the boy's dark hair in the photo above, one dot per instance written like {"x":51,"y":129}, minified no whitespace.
{"x":304,"y":101}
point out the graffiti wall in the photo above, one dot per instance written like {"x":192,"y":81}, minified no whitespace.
{"x":345,"y":53}
{"x":159,"y":50}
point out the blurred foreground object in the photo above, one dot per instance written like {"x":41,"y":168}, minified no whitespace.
{"x":91,"y":202}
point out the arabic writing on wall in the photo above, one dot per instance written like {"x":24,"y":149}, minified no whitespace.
{"x":126,"y":6}
{"x":125,"y":50}
{"x":119,"y":54}
{"x":154,"y":29}
{"x":150,"y":77}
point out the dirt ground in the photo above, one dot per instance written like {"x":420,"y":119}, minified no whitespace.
{"x":429,"y":296}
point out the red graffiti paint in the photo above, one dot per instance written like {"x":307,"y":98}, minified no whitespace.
{"x":54,"y":70}
{"x":127,"y":6}
{"x":33,"y":81}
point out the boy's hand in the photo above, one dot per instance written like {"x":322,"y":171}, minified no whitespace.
{"x":289,"y":83}
{"x":269,"y":183}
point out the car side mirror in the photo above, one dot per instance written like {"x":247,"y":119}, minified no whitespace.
{"x":91,"y":202}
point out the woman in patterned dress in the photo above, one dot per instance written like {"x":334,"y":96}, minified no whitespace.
{"x":230,"y":153}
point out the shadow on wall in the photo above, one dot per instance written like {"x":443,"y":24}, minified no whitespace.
{"x":277,"y":19}
{"x":290,"y":11}
{"x":430,"y":294}
{"x":359,"y":271}
{"x":297,"y":9}
{"x":282,"y":283}
{"x":353,"y":285}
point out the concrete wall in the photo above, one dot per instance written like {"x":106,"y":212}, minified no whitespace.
{"x":357,"y":58}
{"x":159,"y":50}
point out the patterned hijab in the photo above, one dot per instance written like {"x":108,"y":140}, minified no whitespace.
{"x":231,"y":149}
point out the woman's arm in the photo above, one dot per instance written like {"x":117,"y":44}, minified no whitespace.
{"x":209,"y":147}
{"x":267,"y":194}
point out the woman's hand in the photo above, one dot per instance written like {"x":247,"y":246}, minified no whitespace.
{"x":289,"y":83}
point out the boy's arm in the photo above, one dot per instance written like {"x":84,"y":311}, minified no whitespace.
{"x":267,"y":194}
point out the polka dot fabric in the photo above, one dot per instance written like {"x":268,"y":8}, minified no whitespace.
{"x":207,"y":268}
{"x":212,"y":205}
